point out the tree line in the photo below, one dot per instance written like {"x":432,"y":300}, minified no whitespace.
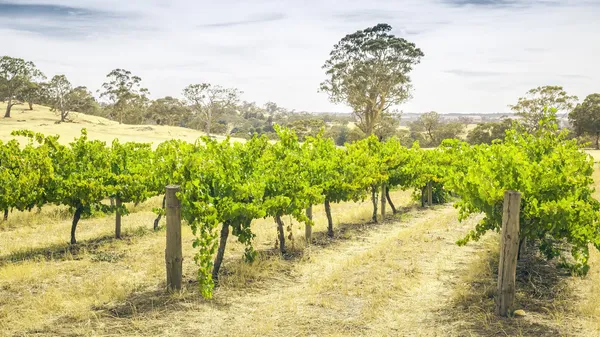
{"x":368,"y":70}
{"x":226,"y":185}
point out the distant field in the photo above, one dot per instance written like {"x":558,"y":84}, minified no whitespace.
{"x":41,"y":119}
{"x":595,"y":154}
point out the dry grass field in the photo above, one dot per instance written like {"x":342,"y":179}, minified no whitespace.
{"x":41,"y":119}
{"x":403,"y":277}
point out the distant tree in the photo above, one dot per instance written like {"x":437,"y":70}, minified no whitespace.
{"x":306,"y":127}
{"x":485,"y":133}
{"x":585,"y":118}
{"x":59,"y":89}
{"x":388,"y":127}
{"x":430,"y":130}
{"x":32,"y":93}
{"x":465,"y":120}
{"x":124,"y":92}
{"x":354,"y":134}
{"x":272,"y":108}
{"x":81,"y":100}
{"x":448,"y":130}
{"x":249,"y":110}
{"x":167,"y":111}
{"x":207,"y":101}
{"x":428,"y":122}
{"x":368,"y":70}
{"x":538,"y":103}
{"x":15,"y":76}
{"x":339,"y":134}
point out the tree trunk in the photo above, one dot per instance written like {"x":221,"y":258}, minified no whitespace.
{"x":118,"y":219}
{"x":6,"y":214}
{"x":157,"y":220}
{"x":220,"y":252}
{"x":208,"y":121}
{"x":76,"y":218}
{"x":374,"y":199}
{"x":423,"y":190}
{"x":389,"y":200}
{"x":598,"y":141}
{"x":329,"y":219}
{"x":307,"y":227}
{"x":281,"y":234}
{"x":8,"y":107}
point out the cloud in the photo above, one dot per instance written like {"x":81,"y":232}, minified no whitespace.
{"x":364,"y":15}
{"x":479,"y":55}
{"x":257,"y":19}
{"x":503,"y":3}
{"x":15,"y":10}
{"x":487,"y":3}
{"x":474,"y":73}
{"x":575,"y":77}
{"x":59,"y":21}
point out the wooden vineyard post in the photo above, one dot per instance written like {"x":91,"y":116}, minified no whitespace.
{"x":307,"y":227}
{"x":383,"y":202}
{"x":429,"y":194}
{"x":118,"y":219}
{"x":509,"y":248}
{"x":173,"y":252}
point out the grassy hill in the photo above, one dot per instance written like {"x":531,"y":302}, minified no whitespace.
{"x":41,"y":119}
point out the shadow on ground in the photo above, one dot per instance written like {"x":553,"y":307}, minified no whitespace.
{"x":64,"y":251}
{"x":237,"y":276}
{"x":542,"y":292}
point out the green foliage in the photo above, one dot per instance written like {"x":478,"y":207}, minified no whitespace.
{"x":15,"y":77}
{"x":220,"y":186}
{"x":209,"y":101}
{"x":128,"y":179}
{"x":168,"y":111}
{"x":486,"y":133}
{"x":127,"y":97}
{"x":585,"y":118}
{"x":430,"y":130}
{"x":541,"y":103}
{"x":368,"y":70}
{"x":81,"y":100}
{"x":287,"y":185}
{"x":552,"y":174}
{"x":24,"y":173}
{"x":59,"y":89}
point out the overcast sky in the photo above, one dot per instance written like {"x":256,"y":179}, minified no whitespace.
{"x":480,"y":55}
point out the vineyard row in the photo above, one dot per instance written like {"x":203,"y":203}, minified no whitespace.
{"x":226,"y":185}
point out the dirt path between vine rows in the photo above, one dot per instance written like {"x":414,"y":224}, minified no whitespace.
{"x":394,"y":279}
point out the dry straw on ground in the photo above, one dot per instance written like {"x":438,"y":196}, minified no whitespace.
{"x":406,"y":277}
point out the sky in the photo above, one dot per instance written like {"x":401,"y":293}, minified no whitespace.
{"x":480,"y":55}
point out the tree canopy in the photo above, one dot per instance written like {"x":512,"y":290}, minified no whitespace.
{"x":585,"y":118}
{"x":540,"y":102}
{"x":368,"y":70}
{"x":207,"y":101}
{"x":15,"y":76}
{"x":123,"y":90}
{"x":59,"y":89}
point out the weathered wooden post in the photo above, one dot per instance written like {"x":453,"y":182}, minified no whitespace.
{"x":307,"y":227}
{"x":118,"y":219}
{"x":429,"y":193}
{"x":383,"y":202}
{"x":173,"y":253}
{"x":509,"y":248}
